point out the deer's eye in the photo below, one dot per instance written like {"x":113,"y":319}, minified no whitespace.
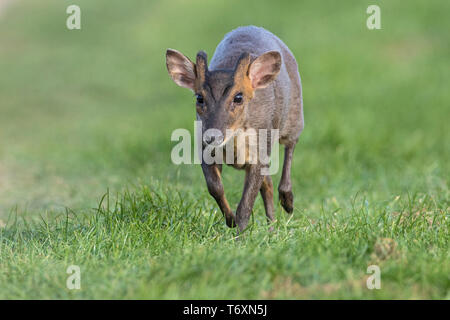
{"x":238,"y":98}
{"x":200,"y":99}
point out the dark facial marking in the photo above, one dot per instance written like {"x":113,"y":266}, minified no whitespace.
{"x":219,"y":82}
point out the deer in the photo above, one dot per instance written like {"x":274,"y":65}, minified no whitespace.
{"x":252,"y":82}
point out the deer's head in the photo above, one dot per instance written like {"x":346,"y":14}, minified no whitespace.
{"x":223,"y":95}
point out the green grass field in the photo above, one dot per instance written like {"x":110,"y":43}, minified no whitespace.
{"x":86,"y":177}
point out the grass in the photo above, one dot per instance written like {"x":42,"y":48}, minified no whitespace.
{"x":86,"y":177}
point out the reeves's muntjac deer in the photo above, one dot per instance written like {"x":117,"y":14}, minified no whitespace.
{"x":252,"y":82}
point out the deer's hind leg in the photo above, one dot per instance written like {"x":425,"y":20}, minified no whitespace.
{"x":285,"y":187}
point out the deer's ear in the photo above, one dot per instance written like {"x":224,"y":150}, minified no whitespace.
{"x":180,"y":68}
{"x":264,"y":69}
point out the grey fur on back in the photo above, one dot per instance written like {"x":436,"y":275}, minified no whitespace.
{"x":281,"y":102}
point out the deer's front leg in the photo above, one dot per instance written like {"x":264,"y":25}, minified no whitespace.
{"x":215,"y":188}
{"x":252,"y":185}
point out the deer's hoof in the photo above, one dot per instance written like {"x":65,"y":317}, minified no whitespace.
{"x":287,"y":200}
{"x":231,"y":223}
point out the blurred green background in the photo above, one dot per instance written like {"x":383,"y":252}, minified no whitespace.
{"x":83,"y":111}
